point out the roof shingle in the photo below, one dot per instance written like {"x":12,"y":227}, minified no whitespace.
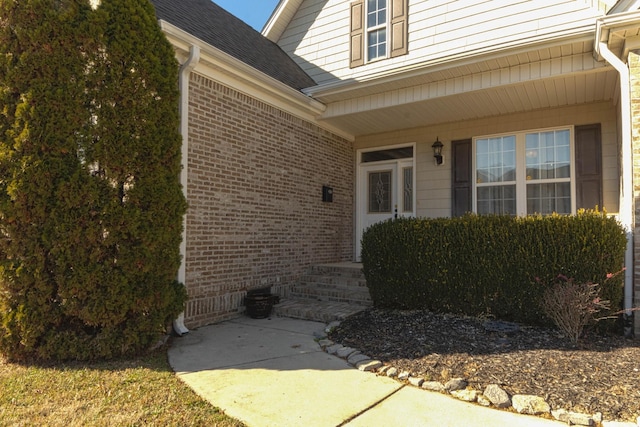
{"x":217,"y":27}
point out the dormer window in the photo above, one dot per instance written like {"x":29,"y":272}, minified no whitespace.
{"x":378,"y":30}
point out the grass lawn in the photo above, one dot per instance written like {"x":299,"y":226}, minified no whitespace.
{"x":136,"y":392}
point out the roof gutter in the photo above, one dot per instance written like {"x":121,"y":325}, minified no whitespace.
{"x":185,"y":70}
{"x":603,"y":28}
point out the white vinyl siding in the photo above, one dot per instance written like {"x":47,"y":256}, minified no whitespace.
{"x":318,"y":35}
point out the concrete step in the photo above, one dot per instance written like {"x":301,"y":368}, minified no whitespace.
{"x":327,"y":280}
{"x":319,"y":311}
{"x":343,"y":269}
{"x":335,"y":293}
{"x":325,"y":293}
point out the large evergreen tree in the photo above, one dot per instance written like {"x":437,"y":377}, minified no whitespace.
{"x":90,"y":203}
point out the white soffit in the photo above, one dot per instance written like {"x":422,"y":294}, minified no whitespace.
{"x":554,"y":75}
{"x":529,"y":96}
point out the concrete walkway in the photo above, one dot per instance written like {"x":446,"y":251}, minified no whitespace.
{"x":271,"y":372}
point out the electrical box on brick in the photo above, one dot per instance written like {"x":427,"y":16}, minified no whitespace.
{"x":327,"y":194}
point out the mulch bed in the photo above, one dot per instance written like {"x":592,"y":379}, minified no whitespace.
{"x":600,"y":374}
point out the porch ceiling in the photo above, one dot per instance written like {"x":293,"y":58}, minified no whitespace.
{"x":546,"y":77}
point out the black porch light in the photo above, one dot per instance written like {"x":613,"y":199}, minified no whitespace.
{"x":437,"y":151}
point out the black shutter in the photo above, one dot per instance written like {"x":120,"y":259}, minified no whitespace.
{"x":588,"y":166}
{"x":461,"y":177}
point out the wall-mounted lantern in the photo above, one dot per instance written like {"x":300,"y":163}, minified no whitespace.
{"x":437,"y":152}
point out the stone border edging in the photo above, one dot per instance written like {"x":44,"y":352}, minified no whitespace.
{"x":493,"y":395}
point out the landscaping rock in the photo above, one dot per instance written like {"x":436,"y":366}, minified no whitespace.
{"x":498,"y":397}
{"x":416,"y":381}
{"x":466,"y":395}
{"x":324,"y":343}
{"x":532,"y":405}
{"x":403,"y":376}
{"x":357,"y":357}
{"x":383,"y":369}
{"x":333,"y":349}
{"x":573,"y":418}
{"x":392,"y":372}
{"x":455,"y":384}
{"x":368,"y":365}
{"x":482,"y":400}
{"x":433,"y":386}
{"x":345,"y":352}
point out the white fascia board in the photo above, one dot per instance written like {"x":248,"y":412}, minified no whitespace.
{"x":617,"y":22}
{"x":584,"y":33}
{"x":624,"y":6}
{"x":230,"y":71}
{"x":280,"y":18}
{"x":273,"y":28}
{"x":607,"y":25}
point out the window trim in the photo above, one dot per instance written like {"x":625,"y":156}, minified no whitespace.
{"x":396,"y":29}
{"x":521,"y":178}
{"x":374,"y":29}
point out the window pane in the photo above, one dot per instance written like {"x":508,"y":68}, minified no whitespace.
{"x":499,"y":199}
{"x":549,"y":198}
{"x":391,"y":154}
{"x":380,"y":192}
{"x":376,"y":13}
{"x":371,"y":20}
{"x":377,"y":42}
{"x":548,"y":155}
{"x":372,"y":7}
{"x":496,"y":159}
{"x":407,"y":184}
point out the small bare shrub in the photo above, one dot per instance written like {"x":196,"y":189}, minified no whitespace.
{"x":573,"y":305}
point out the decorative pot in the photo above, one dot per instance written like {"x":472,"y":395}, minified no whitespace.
{"x":258,"y":306}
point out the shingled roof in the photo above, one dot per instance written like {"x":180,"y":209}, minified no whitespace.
{"x":217,"y":27}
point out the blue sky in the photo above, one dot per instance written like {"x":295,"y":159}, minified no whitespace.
{"x":253,"y":12}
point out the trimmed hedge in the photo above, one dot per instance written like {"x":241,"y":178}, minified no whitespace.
{"x":490,"y":265}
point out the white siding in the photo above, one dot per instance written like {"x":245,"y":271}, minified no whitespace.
{"x":318,"y":35}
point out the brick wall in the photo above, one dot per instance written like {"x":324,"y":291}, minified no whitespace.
{"x":256,"y":216}
{"x":634,"y":65}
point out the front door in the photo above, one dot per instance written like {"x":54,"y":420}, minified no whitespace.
{"x":386,"y":183}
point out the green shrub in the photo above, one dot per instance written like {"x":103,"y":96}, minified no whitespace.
{"x":90,"y":201}
{"x":490,"y":265}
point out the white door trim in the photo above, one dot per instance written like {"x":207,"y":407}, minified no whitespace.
{"x":397,"y":165}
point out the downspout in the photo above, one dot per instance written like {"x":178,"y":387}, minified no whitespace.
{"x":183,"y":82}
{"x":626,"y":202}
